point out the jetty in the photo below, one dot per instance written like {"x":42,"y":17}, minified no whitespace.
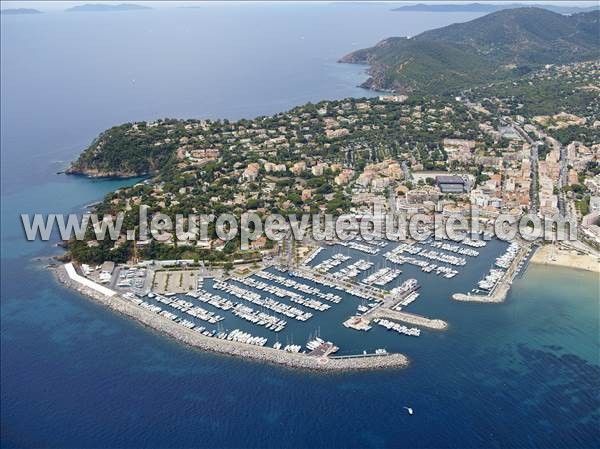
{"x":501,"y":288}
{"x":388,"y":309}
{"x":410,"y":318}
{"x":361,"y":291}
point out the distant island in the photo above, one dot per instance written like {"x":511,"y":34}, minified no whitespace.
{"x":489,"y":7}
{"x":499,"y":46}
{"x":20,"y":11}
{"x":100,"y":7}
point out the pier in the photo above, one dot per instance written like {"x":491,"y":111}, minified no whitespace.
{"x":363,"y":322}
{"x":387,"y":309}
{"x":410,"y":318}
{"x":500,"y":290}
{"x":360,"y":356}
{"x":359,"y":290}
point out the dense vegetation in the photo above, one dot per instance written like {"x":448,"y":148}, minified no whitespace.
{"x":504,"y":44}
{"x":374,"y":130}
{"x":291,"y":162}
{"x":571,"y":89}
{"x":488,"y":7}
{"x":126,"y":150}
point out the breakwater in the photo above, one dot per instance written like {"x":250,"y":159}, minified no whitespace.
{"x":409,"y":318}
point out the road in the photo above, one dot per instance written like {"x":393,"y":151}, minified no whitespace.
{"x":534,"y":194}
{"x":562,"y":182}
{"x":534,"y":199}
{"x":405,"y":169}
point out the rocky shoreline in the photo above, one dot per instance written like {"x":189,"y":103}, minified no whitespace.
{"x":95,"y":173}
{"x":226,"y":347}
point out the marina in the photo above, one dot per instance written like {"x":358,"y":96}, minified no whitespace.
{"x":495,"y":284}
{"x":336,"y":290}
{"x":353,"y":270}
{"x":401,"y":329}
{"x":334,"y":261}
{"x":360,"y":246}
{"x":382,"y":277}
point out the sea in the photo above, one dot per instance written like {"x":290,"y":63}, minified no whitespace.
{"x":524,"y":373}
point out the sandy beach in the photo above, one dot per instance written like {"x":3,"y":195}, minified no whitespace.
{"x":553,"y":255}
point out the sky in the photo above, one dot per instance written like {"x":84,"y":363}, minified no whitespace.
{"x":60,"y":5}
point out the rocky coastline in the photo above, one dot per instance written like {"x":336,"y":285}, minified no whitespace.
{"x":96,"y":173}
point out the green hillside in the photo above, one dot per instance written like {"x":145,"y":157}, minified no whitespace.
{"x":497,"y":46}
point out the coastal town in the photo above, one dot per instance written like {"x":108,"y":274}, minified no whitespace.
{"x":300,"y":224}
{"x":288,"y":302}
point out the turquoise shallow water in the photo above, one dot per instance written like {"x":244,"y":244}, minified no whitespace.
{"x":525,"y":373}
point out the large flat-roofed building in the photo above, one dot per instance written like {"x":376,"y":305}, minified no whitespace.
{"x":106,"y":272}
{"x":452,"y":184}
{"x":107,"y":267}
{"x":419,"y":196}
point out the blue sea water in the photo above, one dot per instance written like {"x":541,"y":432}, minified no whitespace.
{"x":525,"y":373}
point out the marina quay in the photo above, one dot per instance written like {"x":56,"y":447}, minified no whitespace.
{"x":346,"y":305}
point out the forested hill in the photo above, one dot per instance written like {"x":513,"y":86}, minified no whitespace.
{"x":127,"y":150}
{"x":489,"y":7}
{"x":497,"y":46}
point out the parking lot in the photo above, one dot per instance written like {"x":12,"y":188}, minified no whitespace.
{"x":180,"y":281}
